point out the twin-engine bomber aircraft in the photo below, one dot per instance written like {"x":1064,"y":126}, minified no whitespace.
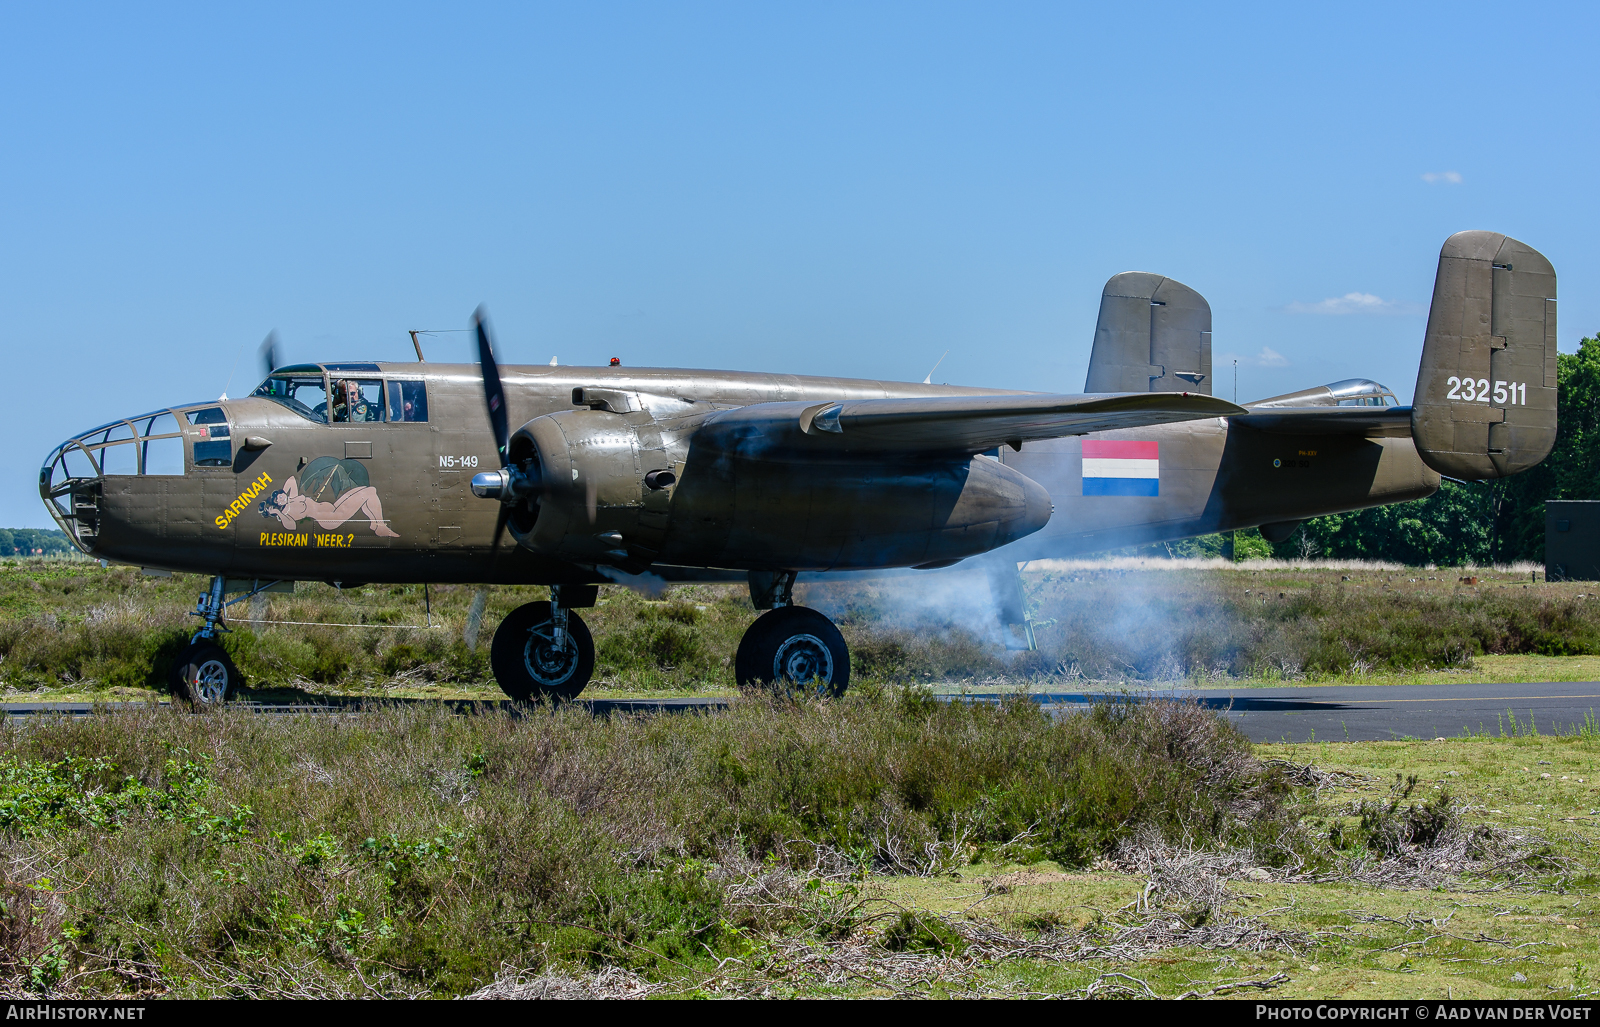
{"x":388,"y":472}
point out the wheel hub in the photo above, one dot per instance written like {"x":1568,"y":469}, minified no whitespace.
{"x":548,"y":664}
{"x":803,"y":658}
{"x":211,"y":681}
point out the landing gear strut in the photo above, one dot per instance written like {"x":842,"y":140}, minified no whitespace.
{"x":203,"y":673}
{"x":543,"y":651}
{"x":792,"y":646}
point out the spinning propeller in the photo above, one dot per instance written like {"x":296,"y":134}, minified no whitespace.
{"x":511,"y":484}
{"x":271,"y":354}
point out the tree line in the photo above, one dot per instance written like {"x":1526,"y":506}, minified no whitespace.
{"x":33,"y":542}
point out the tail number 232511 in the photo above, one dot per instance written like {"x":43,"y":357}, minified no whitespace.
{"x":1476,"y":390}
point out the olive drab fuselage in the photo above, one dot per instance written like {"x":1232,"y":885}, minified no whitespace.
{"x":389,"y":500}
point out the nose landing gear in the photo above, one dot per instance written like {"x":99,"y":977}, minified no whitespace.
{"x":203,"y":673}
{"x":792,"y":646}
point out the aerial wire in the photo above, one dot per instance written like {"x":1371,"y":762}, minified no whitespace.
{"x":232,"y":370}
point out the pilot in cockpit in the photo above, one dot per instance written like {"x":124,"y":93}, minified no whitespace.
{"x":349,"y":405}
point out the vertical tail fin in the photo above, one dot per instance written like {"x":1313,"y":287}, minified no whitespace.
{"x":1485,"y":405}
{"x":1153,"y":335}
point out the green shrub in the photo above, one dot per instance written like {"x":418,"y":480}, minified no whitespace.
{"x":409,"y":849}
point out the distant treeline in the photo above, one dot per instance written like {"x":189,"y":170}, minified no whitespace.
{"x":1481,"y":523}
{"x":34,"y":542}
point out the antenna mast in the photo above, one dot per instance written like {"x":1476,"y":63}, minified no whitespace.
{"x":417,"y":345}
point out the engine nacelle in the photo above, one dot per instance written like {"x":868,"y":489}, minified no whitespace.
{"x":626,"y":489}
{"x":853,"y":513}
{"x":591,"y":502}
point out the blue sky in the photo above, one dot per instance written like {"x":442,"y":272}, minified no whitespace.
{"x":842,"y":189}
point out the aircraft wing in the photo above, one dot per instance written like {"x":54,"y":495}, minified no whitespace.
{"x":1371,"y":422}
{"x":956,"y":424}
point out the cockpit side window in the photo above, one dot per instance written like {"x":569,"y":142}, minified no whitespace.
{"x":212,"y":445}
{"x":356,"y":401}
{"x":306,"y":395}
{"x":408,"y":401}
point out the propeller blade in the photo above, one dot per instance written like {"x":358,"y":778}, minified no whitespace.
{"x":271,"y":353}
{"x":493,"y":394}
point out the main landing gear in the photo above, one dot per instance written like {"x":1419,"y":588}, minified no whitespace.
{"x":791,"y":646}
{"x":544,"y":650}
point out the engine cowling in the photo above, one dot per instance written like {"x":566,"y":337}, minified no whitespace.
{"x":592,"y":503}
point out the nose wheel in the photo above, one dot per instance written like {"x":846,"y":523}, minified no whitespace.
{"x":542,"y":652}
{"x":204,"y":675}
{"x":793,"y":646}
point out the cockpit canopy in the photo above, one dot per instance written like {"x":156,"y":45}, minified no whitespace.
{"x":1352,"y":392}
{"x":344,"y":394}
{"x":1361,"y":392}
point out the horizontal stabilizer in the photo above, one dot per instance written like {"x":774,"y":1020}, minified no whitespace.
{"x":1371,"y":422}
{"x":955,"y":424}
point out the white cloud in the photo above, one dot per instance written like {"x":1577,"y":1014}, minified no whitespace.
{"x":1356,"y":303}
{"x":1268,"y":357}
{"x":1447,"y":177}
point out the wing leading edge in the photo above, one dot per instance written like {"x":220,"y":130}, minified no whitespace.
{"x":957,"y":424}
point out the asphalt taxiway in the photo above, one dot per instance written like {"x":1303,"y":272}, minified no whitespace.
{"x":1365,"y":713}
{"x":1327,"y":713}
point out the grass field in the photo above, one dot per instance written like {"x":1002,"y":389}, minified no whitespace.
{"x":70,"y":629}
{"x":882,"y":844}
{"x":1445,"y":935}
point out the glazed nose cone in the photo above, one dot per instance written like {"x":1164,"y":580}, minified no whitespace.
{"x":72,"y":478}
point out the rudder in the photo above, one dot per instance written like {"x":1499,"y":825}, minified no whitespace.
{"x":1485,"y":403}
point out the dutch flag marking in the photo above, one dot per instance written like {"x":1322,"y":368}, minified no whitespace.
{"x":1117,"y":468}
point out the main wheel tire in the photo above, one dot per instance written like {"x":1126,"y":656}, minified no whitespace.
{"x":204,"y":675}
{"x":793,"y":646}
{"x":528,"y":665}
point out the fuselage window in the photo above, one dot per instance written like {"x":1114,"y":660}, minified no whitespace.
{"x":356,"y":401}
{"x":164,"y":456}
{"x":212,"y":445}
{"x":119,"y":459}
{"x":408,"y":401}
{"x":164,"y":453}
{"x":113,"y":449}
{"x":75,"y":461}
{"x":306,"y":395}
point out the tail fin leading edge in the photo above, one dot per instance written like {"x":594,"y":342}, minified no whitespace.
{"x":1485,"y":405}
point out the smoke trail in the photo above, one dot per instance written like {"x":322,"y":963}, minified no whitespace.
{"x":924,"y":602}
{"x":651,"y":586}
